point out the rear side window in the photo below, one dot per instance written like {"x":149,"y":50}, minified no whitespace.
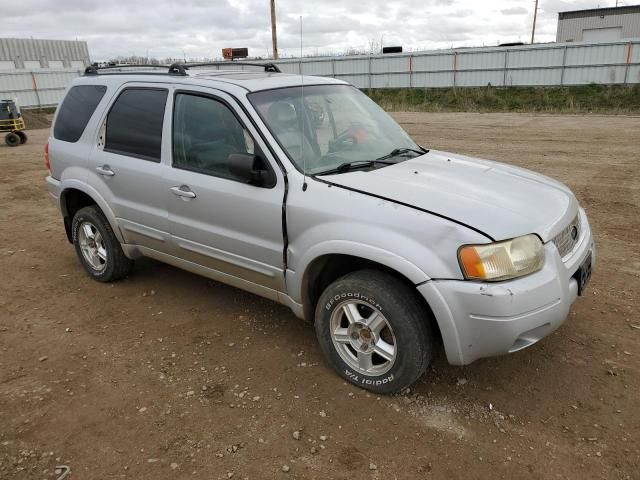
{"x":76,"y":110}
{"x":134,"y":123}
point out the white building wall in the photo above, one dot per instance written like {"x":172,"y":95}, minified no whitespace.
{"x":603,"y":25}
{"x":29,"y":53}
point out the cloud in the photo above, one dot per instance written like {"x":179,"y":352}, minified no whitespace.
{"x":514,"y":11}
{"x":201,"y":28}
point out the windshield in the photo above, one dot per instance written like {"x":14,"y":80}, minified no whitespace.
{"x":340,"y":123}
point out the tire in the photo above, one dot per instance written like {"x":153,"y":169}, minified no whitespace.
{"x":97,"y":247}
{"x":23,"y":137}
{"x":368,"y":312}
{"x":12,"y":139}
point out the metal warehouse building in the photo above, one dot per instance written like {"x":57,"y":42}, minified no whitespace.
{"x":599,"y":24}
{"x":30,"y":54}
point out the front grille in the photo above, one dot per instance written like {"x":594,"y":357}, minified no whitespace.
{"x":566,"y":240}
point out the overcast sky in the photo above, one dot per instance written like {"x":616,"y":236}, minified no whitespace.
{"x":201,"y":28}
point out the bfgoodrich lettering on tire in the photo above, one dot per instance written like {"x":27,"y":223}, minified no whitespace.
{"x":97,"y":247}
{"x":374,"y":331}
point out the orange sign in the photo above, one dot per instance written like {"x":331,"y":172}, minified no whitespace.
{"x":232,"y":53}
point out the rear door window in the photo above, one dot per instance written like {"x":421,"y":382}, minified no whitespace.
{"x":76,"y":111}
{"x":134,"y":123}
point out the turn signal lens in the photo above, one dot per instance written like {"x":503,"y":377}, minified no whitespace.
{"x":502,"y":260}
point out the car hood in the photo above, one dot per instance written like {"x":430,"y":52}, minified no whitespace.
{"x":499,"y":200}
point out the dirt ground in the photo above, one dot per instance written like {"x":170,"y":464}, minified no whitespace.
{"x":170,"y":375}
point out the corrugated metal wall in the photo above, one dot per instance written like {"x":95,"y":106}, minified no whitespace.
{"x":29,"y":54}
{"x":553,"y":64}
{"x":38,"y":88}
{"x":540,"y":65}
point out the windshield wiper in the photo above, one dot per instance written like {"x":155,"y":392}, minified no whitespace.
{"x":348,"y":166}
{"x":401,"y":151}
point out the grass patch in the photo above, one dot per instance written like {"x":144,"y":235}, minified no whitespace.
{"x":594,"y":98}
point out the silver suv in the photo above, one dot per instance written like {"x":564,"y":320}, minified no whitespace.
{"x":302,"y":190}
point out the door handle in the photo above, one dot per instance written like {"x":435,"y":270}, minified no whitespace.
{"x":183,"y":191}
{"x":105,"y":170}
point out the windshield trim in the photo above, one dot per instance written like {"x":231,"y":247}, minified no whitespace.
{"x":297,"y":85}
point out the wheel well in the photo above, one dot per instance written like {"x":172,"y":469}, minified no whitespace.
{"x":72,"y":201}
{"x":326,"y":269}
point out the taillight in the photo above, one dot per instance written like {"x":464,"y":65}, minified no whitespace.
{"x":47,"y":164}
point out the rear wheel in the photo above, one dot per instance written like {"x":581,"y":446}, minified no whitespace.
{"x":97,"y":247}
{"x":12,"y":139}
{"x":374,"y":331}
{"x":23,"y":137}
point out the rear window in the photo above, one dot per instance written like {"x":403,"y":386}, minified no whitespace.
{"x":76,"y":110}
{"x":134,"y":123}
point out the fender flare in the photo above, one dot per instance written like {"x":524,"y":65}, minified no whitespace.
{"x":296,"y":279}
{"x":93,"y":193}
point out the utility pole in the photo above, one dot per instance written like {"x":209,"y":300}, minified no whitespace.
{"x":274,"y":35}
{"x":535,"y":17}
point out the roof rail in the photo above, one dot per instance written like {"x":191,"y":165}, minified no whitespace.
{"x":174,"y":69}
{"x":268,"y":67}
{"x":177,"y":69}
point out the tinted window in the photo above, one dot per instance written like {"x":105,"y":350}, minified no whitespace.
{"x":134,"y":123}
{"x":76,"y":110}
{"x":205,"y":133}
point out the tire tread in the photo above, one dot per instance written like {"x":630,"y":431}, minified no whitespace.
{"x":121,"y":264}
{"x":390,"y":290}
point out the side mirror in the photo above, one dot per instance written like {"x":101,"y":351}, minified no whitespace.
{"x":248,"y":168}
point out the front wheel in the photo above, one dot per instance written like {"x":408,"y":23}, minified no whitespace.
{"x":374,"y":331}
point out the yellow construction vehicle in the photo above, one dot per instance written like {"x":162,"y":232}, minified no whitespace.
{"x":12,"y":123}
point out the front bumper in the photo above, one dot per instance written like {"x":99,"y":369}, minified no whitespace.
{"x":481,"y":319}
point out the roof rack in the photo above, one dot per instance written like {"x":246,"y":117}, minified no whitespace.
{"x":93,"y":70}
{"x":268,"y":67}
{"x":176,"y":68}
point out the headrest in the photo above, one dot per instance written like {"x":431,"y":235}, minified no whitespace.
{"x":282,"y":116}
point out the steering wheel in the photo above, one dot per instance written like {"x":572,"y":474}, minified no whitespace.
{"x":345,"y":141}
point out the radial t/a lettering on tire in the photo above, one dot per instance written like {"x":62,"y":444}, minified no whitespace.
{"x":374,"y":331}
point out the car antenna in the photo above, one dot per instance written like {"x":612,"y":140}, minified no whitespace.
{"x":303,"y":113}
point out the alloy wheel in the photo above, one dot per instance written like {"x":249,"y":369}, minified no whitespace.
{"x":363,"y":337}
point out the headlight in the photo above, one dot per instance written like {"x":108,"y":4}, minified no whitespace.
{"x":502,"y":260}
